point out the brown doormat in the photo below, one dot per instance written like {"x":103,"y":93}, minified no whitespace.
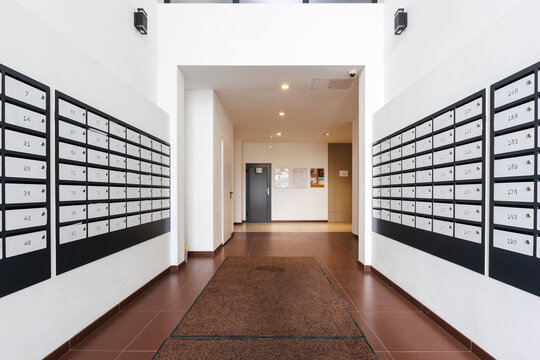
{"x":268,"y":296}
{"x":267,"y":308}
{"x":266,"y":349}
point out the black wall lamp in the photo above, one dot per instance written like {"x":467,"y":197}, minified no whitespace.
{"x":141,"y":21}
{"x":400,"y":21}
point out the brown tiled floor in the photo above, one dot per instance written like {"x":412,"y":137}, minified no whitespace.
{"x":393,"y":326}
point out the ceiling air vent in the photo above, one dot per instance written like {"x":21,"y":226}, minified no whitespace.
{"x":333,"y":84}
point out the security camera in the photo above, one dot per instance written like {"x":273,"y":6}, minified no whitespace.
{"x":352,"y":74}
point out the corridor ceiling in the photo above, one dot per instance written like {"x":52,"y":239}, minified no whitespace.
{"x":253,"y":98}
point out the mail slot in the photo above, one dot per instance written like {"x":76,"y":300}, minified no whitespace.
{"x":468,"y":232}
{"x":423,"y":223}
{"x":98,"y":122}
{"x":517,"y":115}
{"x":443,"y":139}
{"x":72,"y":112}
{"x":514,"y":91}
{"x":443,"y":121}
{"x":408,"y":135}
{"x":514,"y":166}
{"x":443,"y":227}
{"x":513,"y":216}
{"x":469,"y":110}
{"x":515,"y":242}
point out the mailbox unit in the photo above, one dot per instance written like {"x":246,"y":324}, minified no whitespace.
{"x":112,"y":184}
{"x":24,"y":176}
{"x":428,"y":183}
{"x":515,"y":172}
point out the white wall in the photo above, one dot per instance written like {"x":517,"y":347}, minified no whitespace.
{"x":238,"y":194}
{"x":207,"y":125}
{"x":291,"y":203}
{"x":99,"y":28}
{"x":499,"y":318}
{"x":199,"y":174}
{"x":436,"y":29}
{"x":178,"y":167}
{"x":53,"y":311}
{"x":355,"y":177}
{"x":223,"y":134}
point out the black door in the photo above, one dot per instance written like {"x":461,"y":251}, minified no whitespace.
{"x":258,"y":189}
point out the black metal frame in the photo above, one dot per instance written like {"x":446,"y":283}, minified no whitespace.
{"x":519,"y":270}
{"x":269,"y":180}
{"x":461,"y":252}
{"x":21,"y":271}
{"x":80,"y":252}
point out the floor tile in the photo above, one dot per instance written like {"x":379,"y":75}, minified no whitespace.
{"x":434,"y":356}
{"x":410,"y":332}
{"x":346,"y":299}
{"x":200,"y":279}
{"x":372,"y":339}
{"x":379,"y":298}
{"x":357,"y":279}
{"x":90,"y":355}
{"x":394,"y":327}
{"x":136,"y":355}
{"x":152,"y":299}
{"x":158,"y":329}
{"x":383,"y":355}
{"x":183,"y":300}
{"x":174,"y":281}
{"x":117,"y":332}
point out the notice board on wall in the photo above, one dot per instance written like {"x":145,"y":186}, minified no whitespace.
{"x":317,"y":178}
{"x":299,"y":178}
{"x":281,"y":177}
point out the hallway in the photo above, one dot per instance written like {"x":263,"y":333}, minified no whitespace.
{"x":393,"y":326}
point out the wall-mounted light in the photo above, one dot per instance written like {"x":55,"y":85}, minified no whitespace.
{"x":141,"y":21}
{"x":281,"y":114}
{"x":400,"y":21}
{"x":327,"y":134}
{"x":279,"y":134}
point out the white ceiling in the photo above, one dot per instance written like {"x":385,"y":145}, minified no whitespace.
{"x":252,"y":97}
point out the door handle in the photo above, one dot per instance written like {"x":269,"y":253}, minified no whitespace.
{"x":267,"y":191}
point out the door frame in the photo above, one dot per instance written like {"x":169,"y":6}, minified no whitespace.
{"x":268,"y":181}
{"x":226,"y":194}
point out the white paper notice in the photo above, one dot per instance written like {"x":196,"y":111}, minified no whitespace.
{"x":281,"y":178}
{"x":299,"y":178}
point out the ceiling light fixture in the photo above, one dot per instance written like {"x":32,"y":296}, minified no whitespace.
{"x":282,"y":114}
{"x":326,"y":134}
{"x":285,"y":87}
{"x":279,"y":134}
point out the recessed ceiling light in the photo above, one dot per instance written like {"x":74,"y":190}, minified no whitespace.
{"x":285,"y":86}
{"x":281,"y":113}
{"x":326,"y":134}
{"x":279,"y":134}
